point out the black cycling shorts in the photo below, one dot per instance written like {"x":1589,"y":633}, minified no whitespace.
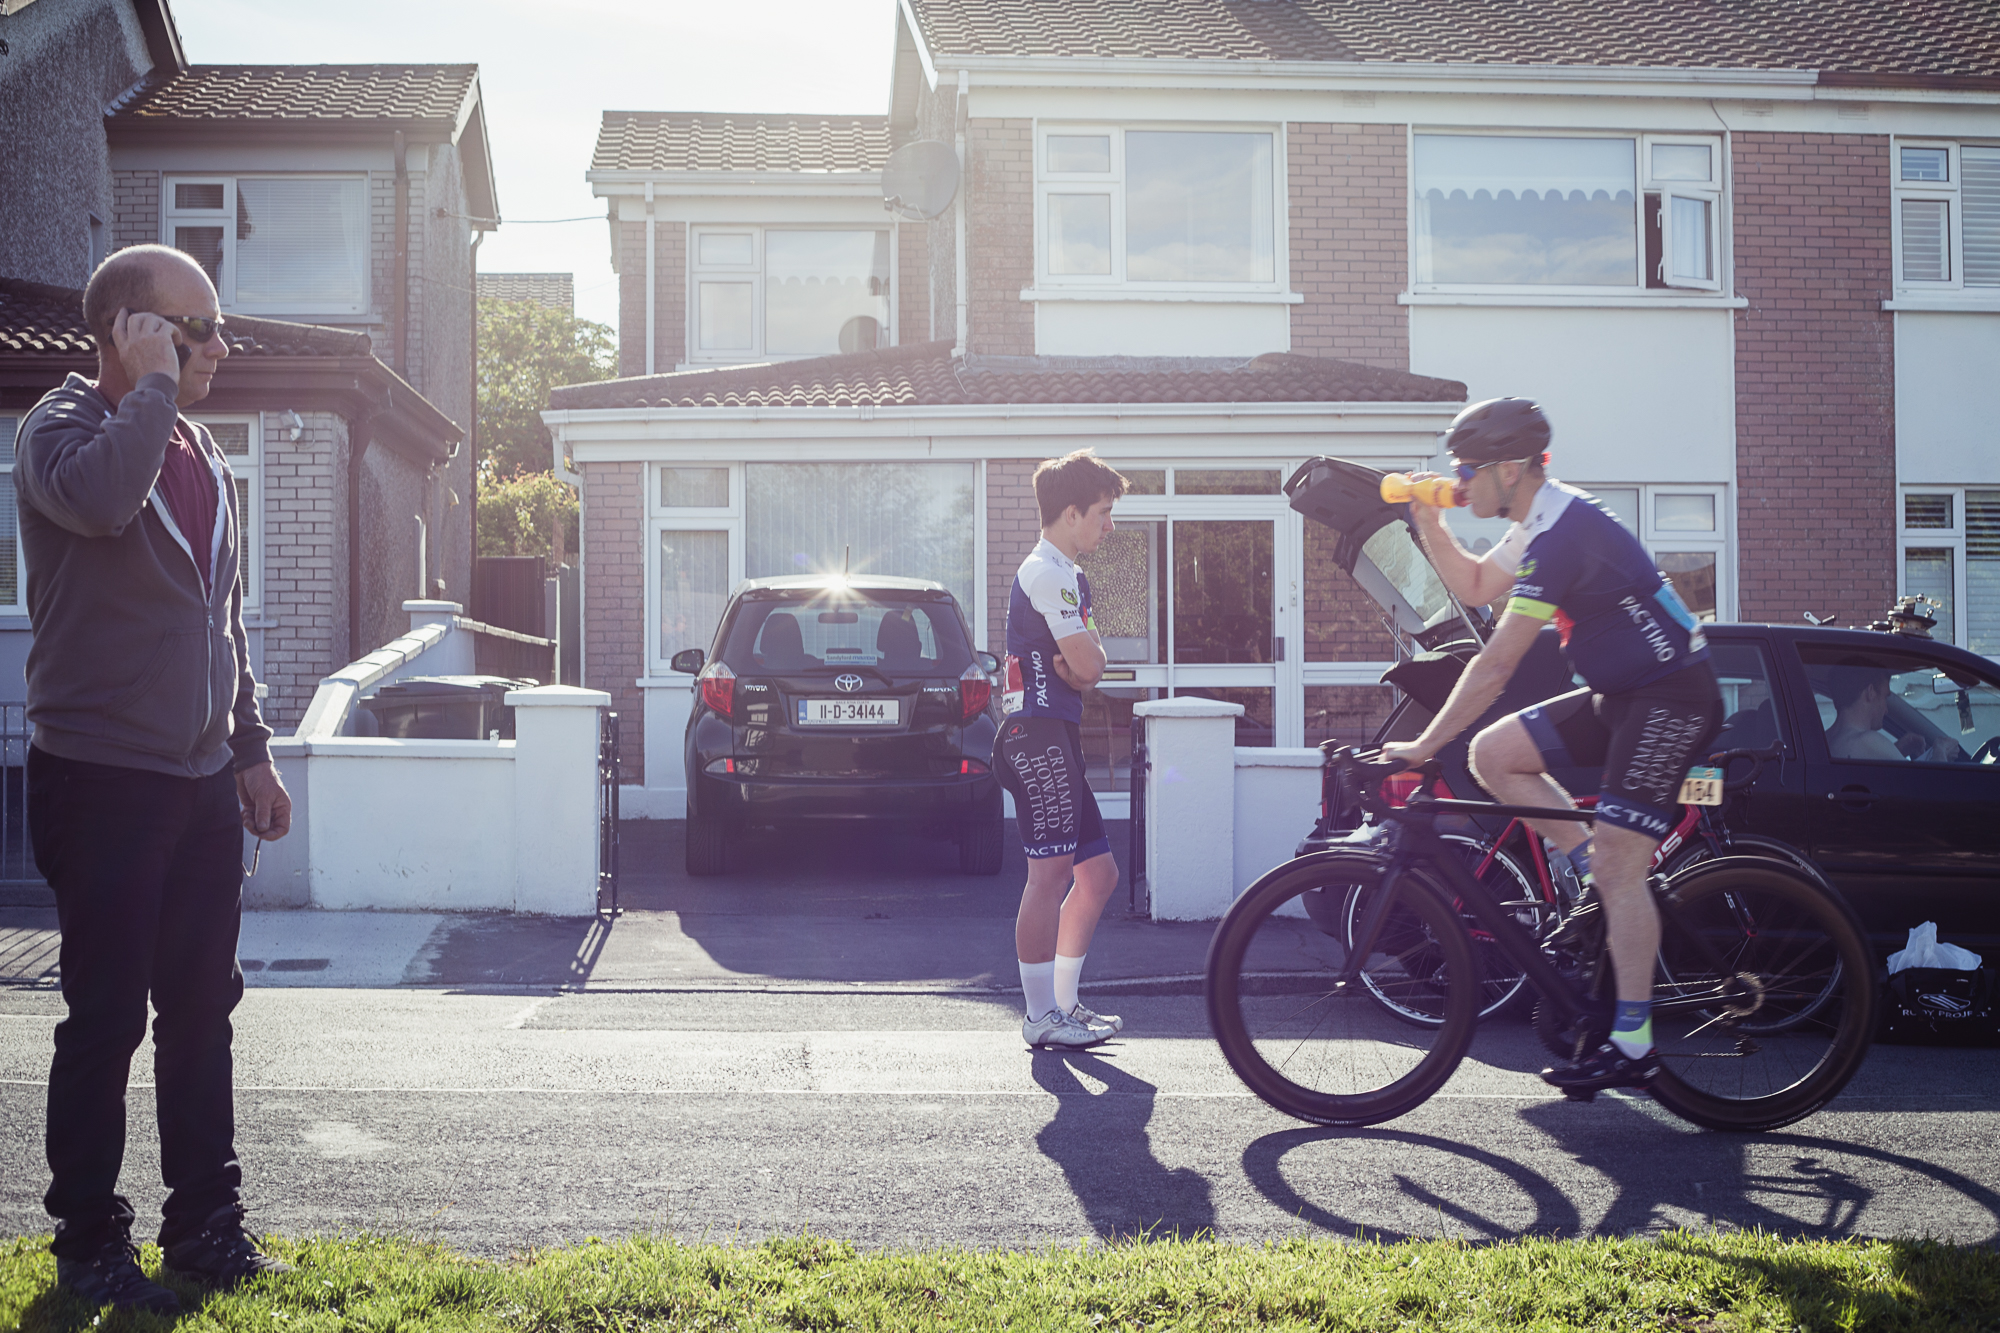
{"x":1040,"y":760}
{"x":1643,"y":738}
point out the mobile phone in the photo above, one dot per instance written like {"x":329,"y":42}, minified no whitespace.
{"x":183,"y":351}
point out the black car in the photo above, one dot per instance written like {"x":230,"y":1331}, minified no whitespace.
{"x":830,"y":699}
{"x":1904,"y":818}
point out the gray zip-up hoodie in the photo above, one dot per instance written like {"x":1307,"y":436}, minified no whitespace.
{"x":133,"y":663}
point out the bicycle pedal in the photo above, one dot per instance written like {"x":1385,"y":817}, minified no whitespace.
{"x":1580,"y":1094}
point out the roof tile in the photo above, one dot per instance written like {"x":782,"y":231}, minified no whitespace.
{"x":925,"y":375}
{"x":40,"y":320}
{"x":306,"y":93}
{"x":1852,"y":37}
{"x":709,"y":141}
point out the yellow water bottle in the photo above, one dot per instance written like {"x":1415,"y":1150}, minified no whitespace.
{"x":1438,"y":492}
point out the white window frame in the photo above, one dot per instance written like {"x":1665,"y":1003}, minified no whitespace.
{"x":1113,"y":182}
{"x":753,"y":274}
{"x":226,"y":215}
{"x":1947,"y":192}
{"x":662,"y":518}
{"x":11,"y":424}
{"x":1658,"y":541}
{"x":1716,"y":193}
{"x":249,"y":468}
{"x":1952,"y":539}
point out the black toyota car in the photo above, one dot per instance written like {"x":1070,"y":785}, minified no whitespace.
{"x":842,"y":699}
{"x":1904,"y":820}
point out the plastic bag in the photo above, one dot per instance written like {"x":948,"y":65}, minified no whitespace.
{"x":1924,"y":950}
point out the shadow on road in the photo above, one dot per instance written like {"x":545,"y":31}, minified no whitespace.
{"x":1664,"y":1173}
{"x":1099,"y":1139}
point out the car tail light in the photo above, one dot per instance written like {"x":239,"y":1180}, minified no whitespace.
{"x":1398,"y":788}
{"x":718,"y":688}
{"x":975,"y":691}
{"x":972,"y":768}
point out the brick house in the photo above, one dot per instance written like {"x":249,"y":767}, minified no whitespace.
{"x":1748,"y":260}
{"x":345,"y":198}
{"x":292,"y":407}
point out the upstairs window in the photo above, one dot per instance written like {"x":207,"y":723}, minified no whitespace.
{"x":766,"y":292}
{"x":278,"y":245}
{"x":1947,"y":215}
{"x":1950,"y":539}
{"x":1581,"y":214}
{"x":11,"y":599}
{"x":1163,"y":207}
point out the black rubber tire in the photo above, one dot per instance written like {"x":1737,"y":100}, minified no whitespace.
{"x":1796,"y":937}
{"x":707,"y":846}
{"x":1340,"y":1024}
{"x":1504,"y":987}
{"x":982,"y":845}
{"x":1752,"y":845}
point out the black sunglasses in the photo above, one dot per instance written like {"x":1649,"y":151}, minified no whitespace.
{"x":199,"y":328}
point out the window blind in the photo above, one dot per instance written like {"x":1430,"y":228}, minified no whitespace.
{"x":301,"y":244}
{"x":1982,"y":572}
{"x":1926,"y":246}
{"x":1979,"y":191}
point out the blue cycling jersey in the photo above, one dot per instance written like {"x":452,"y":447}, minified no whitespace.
{"x":1050,"y":601}
{"x":1622,"y":625}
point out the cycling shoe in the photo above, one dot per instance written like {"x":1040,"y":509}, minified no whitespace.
{"x":1605,"y":1067}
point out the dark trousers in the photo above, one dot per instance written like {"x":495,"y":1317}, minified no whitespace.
{"x":148,"y":876}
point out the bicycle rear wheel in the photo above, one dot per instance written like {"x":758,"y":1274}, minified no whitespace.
{"x":1328,"y":1054}
{"x":1766,"y":997}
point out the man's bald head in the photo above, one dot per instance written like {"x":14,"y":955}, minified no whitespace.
{"x":131,"y":280}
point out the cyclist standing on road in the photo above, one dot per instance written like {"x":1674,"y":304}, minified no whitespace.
{"x":1650,"y":699}
{"x":1053,"y":655}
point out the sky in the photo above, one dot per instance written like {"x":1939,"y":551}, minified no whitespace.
{"x":548,"y":72}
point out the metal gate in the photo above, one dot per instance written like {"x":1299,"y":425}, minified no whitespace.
{"x":607,"y":815}
{"x":17,"y":857}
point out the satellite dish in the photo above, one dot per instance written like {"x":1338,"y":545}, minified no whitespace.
{"x":920,"y":180}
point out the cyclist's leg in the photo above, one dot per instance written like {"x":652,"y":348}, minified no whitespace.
{"x":1512,"y":759}
{"x":1096,"y":876}
{"x":1654,"y":732}
{"x":1038,"y":767}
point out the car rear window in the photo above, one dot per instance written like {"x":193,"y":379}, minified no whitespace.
{"x":898,"y":635}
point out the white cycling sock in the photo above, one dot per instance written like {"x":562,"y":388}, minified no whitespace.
{"x":1038,"y":985}
{"x":1068,"y":970}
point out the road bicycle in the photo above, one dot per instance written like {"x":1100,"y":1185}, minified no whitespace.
{"x":1762,"y":1008}
{"x":1515,"y":868}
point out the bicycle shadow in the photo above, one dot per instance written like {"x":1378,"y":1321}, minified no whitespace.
{"x":1101,"y":1141}
{"x":1263,"y":1161}
{"x":1662,"y":1175}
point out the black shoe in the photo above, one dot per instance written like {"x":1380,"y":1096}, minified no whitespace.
{"x":113,"y":1277}
{"x":1579,"y":927}
{"x":222,"y":1253}
{"x":1605,"y":1067}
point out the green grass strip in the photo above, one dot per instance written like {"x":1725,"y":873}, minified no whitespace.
{"x":1685,"y":1282}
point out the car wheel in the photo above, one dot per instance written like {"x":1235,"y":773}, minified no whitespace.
{"x":707,"y":846}
{"x":981,"y":844}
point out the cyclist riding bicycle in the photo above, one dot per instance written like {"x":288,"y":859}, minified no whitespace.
{"x":1649,"y":704}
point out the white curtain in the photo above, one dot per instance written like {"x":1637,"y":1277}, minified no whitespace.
{"x":913,"y":520}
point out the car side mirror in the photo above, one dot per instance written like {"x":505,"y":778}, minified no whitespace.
{"x":688,"y":660}
{"x":987,"y":662}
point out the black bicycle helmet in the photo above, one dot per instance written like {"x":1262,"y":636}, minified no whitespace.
{"x":1498,"y":430}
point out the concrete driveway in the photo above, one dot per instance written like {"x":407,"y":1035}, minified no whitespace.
{"x":828,"y":1038}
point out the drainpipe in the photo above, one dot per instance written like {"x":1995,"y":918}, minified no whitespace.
{"x":958,"y":214}
{"x":472,"y":412}
{"x":360,"y":434}
{"x":399,"y":312}
{"x":651,"y":294}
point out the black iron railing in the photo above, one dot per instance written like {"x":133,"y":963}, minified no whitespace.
{"x":607,"y":815}
{"x":1135,"y":855}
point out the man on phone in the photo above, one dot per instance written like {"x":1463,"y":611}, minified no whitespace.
{"x":149,"y":760}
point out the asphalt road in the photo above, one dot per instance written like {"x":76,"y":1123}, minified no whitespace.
{"x":615,"y":1085}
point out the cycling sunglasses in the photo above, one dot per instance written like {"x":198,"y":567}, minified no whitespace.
{"x":1467,"y":471}
{"x":199,"y":328}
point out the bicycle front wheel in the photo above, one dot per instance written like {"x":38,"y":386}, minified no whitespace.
{"x":1766,"y":997}
{"x":1326,"y":1053}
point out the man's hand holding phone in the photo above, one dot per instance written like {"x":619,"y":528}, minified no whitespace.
{"x":148,"y":345}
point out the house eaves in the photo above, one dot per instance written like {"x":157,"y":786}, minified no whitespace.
{"x":630,"y":184}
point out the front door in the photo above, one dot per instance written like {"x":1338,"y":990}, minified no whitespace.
{"x":1186,"y":595}
{"x":1905,"y":823}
